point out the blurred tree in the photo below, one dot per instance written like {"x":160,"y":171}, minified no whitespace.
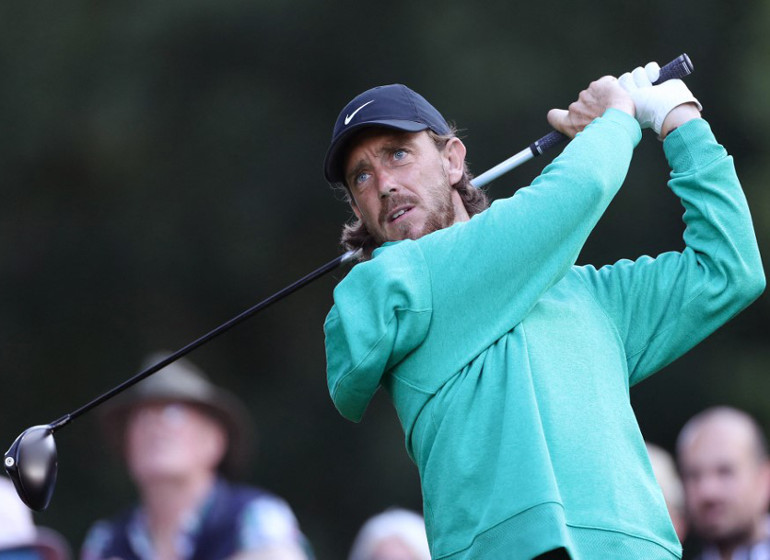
{"x":161,"y":168}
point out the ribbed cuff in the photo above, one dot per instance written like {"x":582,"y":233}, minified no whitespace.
{"x":692,"y":146}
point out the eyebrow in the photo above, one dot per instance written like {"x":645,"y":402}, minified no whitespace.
{"x":402,"y":139}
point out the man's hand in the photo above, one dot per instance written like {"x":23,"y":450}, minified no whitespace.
{"x":662,"y":107}
{"x":603,"y":94}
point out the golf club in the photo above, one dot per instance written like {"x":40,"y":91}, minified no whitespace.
{"x":32,"y":462}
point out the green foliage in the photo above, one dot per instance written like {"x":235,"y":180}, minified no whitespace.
{"x":161,"y":167}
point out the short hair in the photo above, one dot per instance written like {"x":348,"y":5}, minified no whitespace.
{"x":727,"y":412}
{"x":355,"y":235}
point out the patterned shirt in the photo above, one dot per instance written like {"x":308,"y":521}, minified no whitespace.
{"x":756,"y":551}
{"x":265,"y":521}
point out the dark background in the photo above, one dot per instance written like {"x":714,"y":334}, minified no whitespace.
{"x":161,"y":172}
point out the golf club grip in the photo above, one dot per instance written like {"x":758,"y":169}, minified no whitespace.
{"x":680,"y":67}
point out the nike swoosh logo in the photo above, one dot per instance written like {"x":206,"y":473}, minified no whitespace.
{"x":349,"y":117}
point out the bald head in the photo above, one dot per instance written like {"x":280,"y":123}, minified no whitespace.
{"x":724,"y":420}
{"x":722,"y":458}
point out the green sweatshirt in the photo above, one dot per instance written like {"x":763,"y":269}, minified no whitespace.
{"x":509,"y":366}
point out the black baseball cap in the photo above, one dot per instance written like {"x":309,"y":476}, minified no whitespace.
{"x":391,"y":106}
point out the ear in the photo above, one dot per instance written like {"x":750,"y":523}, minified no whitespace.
{"x":763,"y":491}
{"x":214,"y":448}
{"x":454,"y":158}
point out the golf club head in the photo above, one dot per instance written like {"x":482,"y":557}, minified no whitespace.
{"x":32,"y":464}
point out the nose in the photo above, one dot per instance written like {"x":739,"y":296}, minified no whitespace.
{"x":708,"y":488}
{"x":387,"y":184}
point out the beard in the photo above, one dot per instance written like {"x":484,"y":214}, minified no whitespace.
{"x":726,"y":534}
{"x":728,"y":538}
{"x":438,"y":207}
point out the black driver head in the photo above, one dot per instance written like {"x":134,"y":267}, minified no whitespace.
{"x":32,"y":464}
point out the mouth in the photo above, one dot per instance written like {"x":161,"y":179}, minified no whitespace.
{"x":398,"y":213}
{"x":712,"y":514}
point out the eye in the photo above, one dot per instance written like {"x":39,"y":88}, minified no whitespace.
{"x":361,"y":178}
{"x":399,"y":154}
{"x":174,"y":414}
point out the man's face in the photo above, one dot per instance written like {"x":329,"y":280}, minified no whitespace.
{"x":725,"y":483}
{"x":172,"y":440}
{"x":401,"y":183}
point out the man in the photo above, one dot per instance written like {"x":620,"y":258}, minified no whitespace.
{"x":723,"y":458}
{"x":509,"y":366}
{"x":180,"y":436}
{"x":664,"y":468}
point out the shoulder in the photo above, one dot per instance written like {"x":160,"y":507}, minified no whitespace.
{"x":256,"y":503}
{"x":397,"y":273}
{"x":102,"y":534}
{"x":267,"y":519}
{"x":97,"y":537}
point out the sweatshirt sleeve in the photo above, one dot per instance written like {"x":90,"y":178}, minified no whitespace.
{"x":491,"y":270}
{"x":381,"y":311}
{"x":664,"y":306}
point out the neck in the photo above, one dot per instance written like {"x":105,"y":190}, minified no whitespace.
{"x":168,"y":503}
{"x":461,"y":214}
{"x":757,"y":532}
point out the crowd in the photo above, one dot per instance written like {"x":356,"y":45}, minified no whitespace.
{"x":716,"y":486}
{"x":184,"y":443}
{"x":179,"y":432}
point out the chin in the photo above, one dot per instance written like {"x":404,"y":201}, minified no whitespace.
{"x":155,"y":472}
{"x":400,"y":234}
{"x":717,"y":533}
{"x":412,"y":231}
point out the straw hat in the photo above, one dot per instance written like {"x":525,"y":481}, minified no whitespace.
{"x":17,"y":529}
{"x":181,"y":381}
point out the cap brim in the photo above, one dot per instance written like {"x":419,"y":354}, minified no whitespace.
{"x":333,"y":165}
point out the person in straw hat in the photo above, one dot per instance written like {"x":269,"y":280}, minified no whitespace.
{"x":20,"y":538}
{"x":183,"y":440}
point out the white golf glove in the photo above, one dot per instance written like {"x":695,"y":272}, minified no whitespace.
{"x":654,"y":103}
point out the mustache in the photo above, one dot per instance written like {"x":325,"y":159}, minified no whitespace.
{"x":394,"y":202}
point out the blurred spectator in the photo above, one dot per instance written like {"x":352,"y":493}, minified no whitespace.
{"x":723,"y":461}
{"x":664,"y":467}
{"x":183,"y":439}
{"x":20,"y":539}
{"x":395,"y":534}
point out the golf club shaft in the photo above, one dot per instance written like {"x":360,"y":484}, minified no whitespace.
{"x":680,"y":67}
{"x":677,"y":68}
{"x":318,"y":272}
